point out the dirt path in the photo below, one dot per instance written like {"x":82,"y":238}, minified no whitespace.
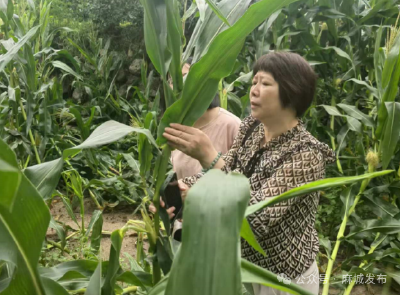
{"x":113,"y":219}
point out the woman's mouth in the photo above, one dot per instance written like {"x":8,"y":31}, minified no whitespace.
{"x":254,"y":105}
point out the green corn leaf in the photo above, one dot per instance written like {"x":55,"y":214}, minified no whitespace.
{"x":390,"y":81}
{"x":354,"y":124}
{"x":95,"y":238}
{"x":113,"y":265}
{"x":10,"y":176}
{"x":84,"y":53}
{"x":208,"y":261}
{"x":378,"y":65}
{"x":68,"y":207}
{"x":244,"y":78}
{"x":247,"y":234}
{"x":376,"y":256}
{"x":373,"y":90}
{"x":94,"y":287}
{"x":31,"y":4}
{"x":313,"y":187}
{"x":22,"y":232}
{"x":175,"y":35}
{"x":217,"y":12}
{"x":202,"y":6}
{"x":13,"y":51}
{"x":375,"y":197}
{"x":392,"y":132}
{"x":64,"y":54}
{"x":347,"y":197}
{"x":206,"y":31}
{"x":155,"y":34}
{"x":159,"y":289}
{"x":279,"y":42}
{"x":106,"y":133}
{"x":390,"y":62}
{"x":136,"y":278}
{"x":192,"y":9}
{"x":84,"y":267}
{"x":52,"y":287}
{"x":132,"y":162}
{"x":356,"y":114}
{"x":387,"y":225}
{"x":374,"y":10}
{"x":66,"y":68}
{"x":59,"y":230}
{"x":164,"y":253}
{"x":340,"y":52}
{"x":95,"y":223}
{"x":326,"y":243}
{"x":341,"y":138}
{"x":333,"y":111}
{"x":45,"y":176}
{"x":257,"y":275}
{"x":202,"y":81}
{"x":145,"y":148}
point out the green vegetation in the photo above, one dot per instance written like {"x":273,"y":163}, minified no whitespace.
{"x":82,"y":112}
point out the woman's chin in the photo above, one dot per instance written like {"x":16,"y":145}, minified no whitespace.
{"x":255,"y":114}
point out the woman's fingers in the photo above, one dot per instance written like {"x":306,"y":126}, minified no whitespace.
{"x":176,"y":142}
{"x":183,"y":188}
{"x":170,"y":212}
{"x":183,"y":128}
{"x":178,"y":133}
{"x":152,"y":208}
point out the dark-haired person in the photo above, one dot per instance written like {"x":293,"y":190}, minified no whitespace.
{"x":275,"y":151}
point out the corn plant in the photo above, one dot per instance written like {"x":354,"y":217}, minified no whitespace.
{"x":217,"y":44}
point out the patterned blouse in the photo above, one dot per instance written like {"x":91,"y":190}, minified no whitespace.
{"x":286,"y":230}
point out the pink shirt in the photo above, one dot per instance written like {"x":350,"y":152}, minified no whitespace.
{"x":221,"y":131}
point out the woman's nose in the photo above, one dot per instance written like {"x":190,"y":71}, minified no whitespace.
{"x":254,"y":90}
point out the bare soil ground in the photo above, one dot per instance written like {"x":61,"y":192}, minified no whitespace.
{"x":113,"y":219}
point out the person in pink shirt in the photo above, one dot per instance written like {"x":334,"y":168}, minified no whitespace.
{"x":220,"y":126}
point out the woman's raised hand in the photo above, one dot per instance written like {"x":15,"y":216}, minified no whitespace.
{"x":191,"y":141}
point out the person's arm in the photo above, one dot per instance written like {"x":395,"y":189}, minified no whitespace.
{"x":194,"y":143}
{"x":197,"y":144}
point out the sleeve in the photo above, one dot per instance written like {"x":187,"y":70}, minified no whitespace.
{"x":228,"y":157}
{"x":299,"y":168}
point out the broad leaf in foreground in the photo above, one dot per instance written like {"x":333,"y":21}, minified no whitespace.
{"x":208,"y":261}
{"x":10,"y":176}
{"x":22,"y":232}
